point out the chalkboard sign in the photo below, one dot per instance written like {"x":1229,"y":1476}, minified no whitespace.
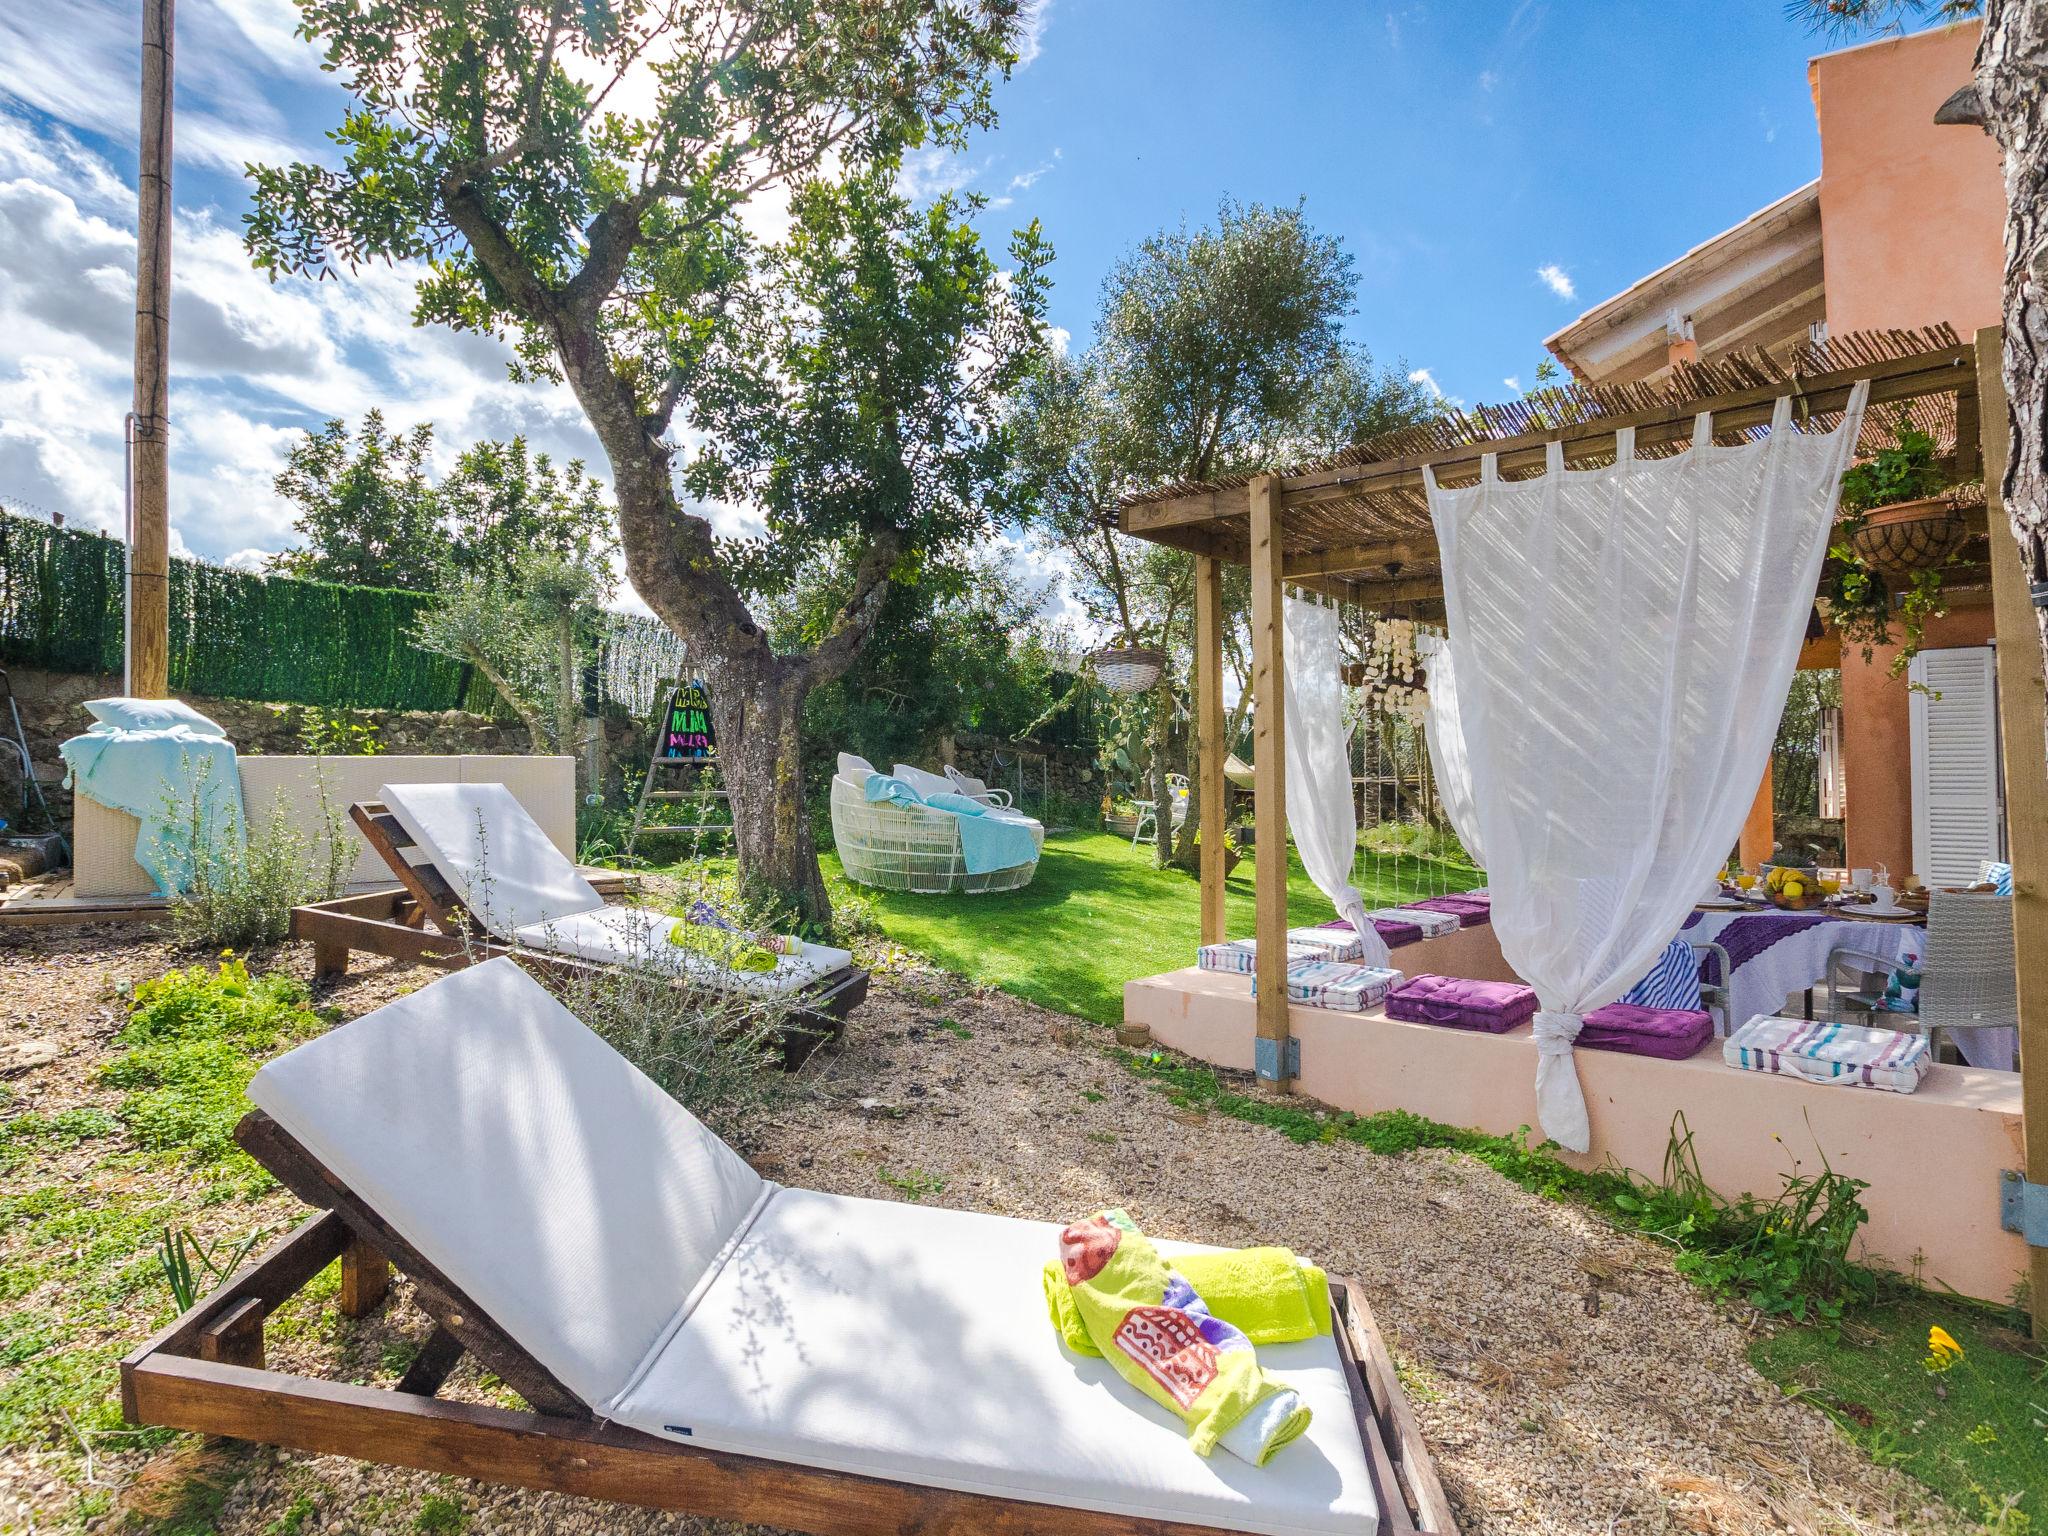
{"x":687,"y":734}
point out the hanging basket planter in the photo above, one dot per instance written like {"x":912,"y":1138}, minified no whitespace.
{"x":1901,"y":540}
{"x":1129,"y":669}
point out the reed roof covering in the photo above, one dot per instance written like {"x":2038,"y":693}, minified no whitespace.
{"x":1356,"y":525}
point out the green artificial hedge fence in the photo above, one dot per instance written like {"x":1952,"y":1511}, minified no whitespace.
{"x":233,"y":635}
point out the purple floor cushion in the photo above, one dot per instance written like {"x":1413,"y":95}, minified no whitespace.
{"x":1470,"y":911}
{"x":1459,"y":1003}
{"x":1670,"y":1033}
{"x":1397,"y":933}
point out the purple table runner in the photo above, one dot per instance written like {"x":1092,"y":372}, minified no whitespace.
{"x":1749,"y":935}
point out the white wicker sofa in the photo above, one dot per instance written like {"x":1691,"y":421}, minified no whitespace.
{"x":912,"y":847}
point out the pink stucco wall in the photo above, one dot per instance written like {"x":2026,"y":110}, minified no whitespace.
{"x":1912,"y":215}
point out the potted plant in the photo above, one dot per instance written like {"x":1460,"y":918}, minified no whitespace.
{"x":1900,"y":528}
{"x":1901,"y":518}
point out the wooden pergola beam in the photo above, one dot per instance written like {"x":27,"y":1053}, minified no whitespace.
{"x":1905,"y":378}
{"x":2023,"y":737}
{"x":1269,"y":783}
{"x":1211,"y":791}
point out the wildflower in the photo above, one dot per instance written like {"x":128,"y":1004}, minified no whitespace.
{"x":1942,"y":1349}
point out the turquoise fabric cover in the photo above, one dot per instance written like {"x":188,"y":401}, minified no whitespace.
{"x":153,"y":776}
{"x":987,"y":842}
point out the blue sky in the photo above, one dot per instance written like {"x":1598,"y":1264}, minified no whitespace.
{"x":1494,"y":167}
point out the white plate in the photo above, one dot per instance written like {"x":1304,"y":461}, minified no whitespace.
{"x":1720,"y":904}
{"x":1881,"y":912}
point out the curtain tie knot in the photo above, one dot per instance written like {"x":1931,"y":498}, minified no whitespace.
{"x":1555,"y":1032}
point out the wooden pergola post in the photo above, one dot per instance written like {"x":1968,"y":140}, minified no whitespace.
{"x":1269,"y":784}
{"x":148,"y":630}
{"x":2023,"y":735}
{"x":1210,"y":747}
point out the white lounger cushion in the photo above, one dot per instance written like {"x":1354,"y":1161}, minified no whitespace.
{"x":912,"y":1343}
{"x":926,"y":784}
{"x":502,"y":866}
{"x":538,"y":1169}
{"x":855,"y":770}
{"x":638,"y":936}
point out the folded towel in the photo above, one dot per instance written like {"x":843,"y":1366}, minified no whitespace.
{"x":1671,"y":1034}
{"x":1849,"y":1054}
{"x":723,"y":947}
{"x":1267,"y":1294}
{"x":1157,"y":1333}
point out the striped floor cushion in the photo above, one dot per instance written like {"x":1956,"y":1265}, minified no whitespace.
{"x":1338,"y":941}
{"x":1336,"y":984}
{"x":1821,"y":1052}
{"x":1673,"y":982}
{"x":1433,"y":924}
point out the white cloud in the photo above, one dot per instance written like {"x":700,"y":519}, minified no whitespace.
{"x":1557,"y":280}
{"x":1031,"y":32}
{"x":1023,"y":181}
{"x":1427,"y":379}
{"x":1513,"y":383}
{"x":1488,"y":79}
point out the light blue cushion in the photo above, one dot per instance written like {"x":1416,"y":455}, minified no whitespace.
{"x":152,"y":715}
{"x":2000,"y":876}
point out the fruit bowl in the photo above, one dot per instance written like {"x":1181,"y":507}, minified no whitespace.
{"x":1791,"y":889}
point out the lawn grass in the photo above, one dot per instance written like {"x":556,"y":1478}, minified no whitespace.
{"x":1976,"y":1433}
{"x":1099,"y":913}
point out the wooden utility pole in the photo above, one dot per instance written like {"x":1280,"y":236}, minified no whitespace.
{"x":148,"y":649}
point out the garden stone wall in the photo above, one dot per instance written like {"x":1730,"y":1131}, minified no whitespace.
{"x":1069,"y":773}
{"x":52,"y":708}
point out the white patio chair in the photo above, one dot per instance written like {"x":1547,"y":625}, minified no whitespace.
{"x":978,"y":790}
{"x":1148,"y":812}
{"x":1968,"y":977}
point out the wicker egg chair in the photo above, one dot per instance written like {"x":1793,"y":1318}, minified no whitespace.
{"x":912,"y":848}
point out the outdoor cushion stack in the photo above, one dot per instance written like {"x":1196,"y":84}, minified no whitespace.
{"x":1337,"y":984}
{"x":1850,"y":1054}
{"x":1335,"y":941}
{"x":1433,"y":924}
{"x":1458,"y":1003}
{"x":1669,"y":1033}
{"x":1471,"y":910}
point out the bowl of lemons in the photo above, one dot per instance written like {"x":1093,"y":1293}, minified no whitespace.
{"x":1793,"y":889}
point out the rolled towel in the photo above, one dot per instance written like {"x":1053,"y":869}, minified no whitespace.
{"x":1267,"y":1294}
{"x":1158,"y":1334}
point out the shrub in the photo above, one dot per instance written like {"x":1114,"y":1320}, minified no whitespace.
{"x":246,"y":880}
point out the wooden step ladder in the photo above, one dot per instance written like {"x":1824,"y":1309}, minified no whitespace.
{"x":661,"y":766}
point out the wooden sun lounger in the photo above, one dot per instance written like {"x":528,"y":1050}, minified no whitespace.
{"x":206,"y":1373}
{"x":423,"y":923}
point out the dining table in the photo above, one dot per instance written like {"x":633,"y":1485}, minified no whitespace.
{"x":1774,"y":954}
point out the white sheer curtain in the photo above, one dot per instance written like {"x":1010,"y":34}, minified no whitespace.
{"x":1446,"y":740}
{"x":1320,"y":812}
{"x":1622,"y":641}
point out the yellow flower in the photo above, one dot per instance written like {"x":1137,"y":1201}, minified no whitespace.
{"x":1942,"y":1349}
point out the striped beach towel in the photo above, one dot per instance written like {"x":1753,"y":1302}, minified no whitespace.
{"x":1673,"y":982}
{"x":1433,"y":924}
{"x":1822,"y":1052}
{"x":1334,"y":984}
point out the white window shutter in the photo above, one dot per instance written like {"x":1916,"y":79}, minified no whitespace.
{"x":1833,"y":768}
{"x":1958,"y":822}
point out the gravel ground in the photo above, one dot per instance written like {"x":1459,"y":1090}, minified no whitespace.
{"x":1566,"y":1379}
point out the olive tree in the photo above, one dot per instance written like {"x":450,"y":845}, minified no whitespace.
{"x":570,"y":175}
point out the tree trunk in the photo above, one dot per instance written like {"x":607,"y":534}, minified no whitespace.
{"x":536,"y":727}
{"x":758,"y":708}
{"x":1162,"y":792}
{"x":2012,"y":64}
{"x":568,"y":697}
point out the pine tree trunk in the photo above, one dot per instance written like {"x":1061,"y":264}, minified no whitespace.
{"x":2012,"y":84}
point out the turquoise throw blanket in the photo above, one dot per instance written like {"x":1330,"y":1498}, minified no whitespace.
{"x":989,"y":839}
{"x":154,"y":776}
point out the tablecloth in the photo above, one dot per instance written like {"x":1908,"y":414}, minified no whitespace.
{"x":1776,"y":954}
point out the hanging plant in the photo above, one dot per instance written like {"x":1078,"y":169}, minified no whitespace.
{"x":1901,"y":527}
{"x":1129,"y":669}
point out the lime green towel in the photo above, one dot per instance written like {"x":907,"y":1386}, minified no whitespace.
{"x":1267,"y":1294}
{"x":1155,"y":1331}
{"x":729,"y":949}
